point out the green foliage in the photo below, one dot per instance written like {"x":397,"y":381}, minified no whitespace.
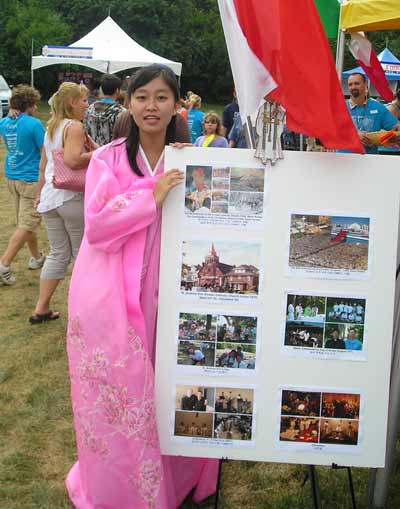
{"x":22,"y":22}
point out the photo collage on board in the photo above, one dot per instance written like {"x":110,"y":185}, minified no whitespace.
{"x":325,"y":324}
{"x":211,"y":190}
{"x":329,"y":245}
{"x":214,"y":413}
{"x":217,"y":341}
{"x":314,"y":417}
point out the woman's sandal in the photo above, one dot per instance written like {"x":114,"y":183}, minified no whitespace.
{"x":46,"y":317}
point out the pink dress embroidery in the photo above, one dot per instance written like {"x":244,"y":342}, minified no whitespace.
{"x":110,"y":342}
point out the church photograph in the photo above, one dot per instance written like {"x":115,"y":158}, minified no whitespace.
{"x":220,"y":267}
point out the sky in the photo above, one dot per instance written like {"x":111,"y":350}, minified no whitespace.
{"x":232,"y":253}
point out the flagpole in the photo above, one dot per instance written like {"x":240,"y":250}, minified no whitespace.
{"x":340,"y":45}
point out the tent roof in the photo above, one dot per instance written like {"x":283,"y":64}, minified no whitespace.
{"x":367,"y":15}
{"x":113,"y":51}
{"x":390,"y":64}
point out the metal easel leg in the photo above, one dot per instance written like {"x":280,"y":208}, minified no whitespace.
{"x":221,"y":461}
{"x":312,"y":475}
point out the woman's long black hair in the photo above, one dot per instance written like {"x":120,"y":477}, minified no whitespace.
{"x":140,"y":79}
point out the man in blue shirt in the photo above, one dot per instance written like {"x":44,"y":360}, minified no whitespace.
{"x":351,"y":342}
{"x":23,"y":137}
{"x":368,"y":115}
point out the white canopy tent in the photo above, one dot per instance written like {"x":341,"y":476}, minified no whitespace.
{"x":113,"y":51}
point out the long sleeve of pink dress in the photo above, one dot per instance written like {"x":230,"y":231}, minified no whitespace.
{"x":112,"y":309}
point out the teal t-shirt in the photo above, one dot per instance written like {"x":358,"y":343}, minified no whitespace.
{"x":23,"y":137}
{"x":371,"y":116}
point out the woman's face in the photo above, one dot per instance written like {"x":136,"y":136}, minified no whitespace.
{"x":79,"y":107}
{"x":152,"y":106}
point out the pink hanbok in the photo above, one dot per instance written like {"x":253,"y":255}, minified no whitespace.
{"x":111,"y":341}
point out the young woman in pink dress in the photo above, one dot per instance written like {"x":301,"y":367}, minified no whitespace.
{"x":112,"y":318}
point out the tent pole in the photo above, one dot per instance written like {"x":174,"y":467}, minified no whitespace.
{"x":32,"y":76}
{"x":380,"y":477}
{"x":340,"y":47}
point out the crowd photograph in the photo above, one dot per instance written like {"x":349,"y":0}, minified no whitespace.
{"x":316,"y":242}
{"x":237,"y":329}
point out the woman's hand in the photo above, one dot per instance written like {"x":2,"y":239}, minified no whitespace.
{"x":168,"y":181}
{"x":178,"y":144}
{"x":90,"y":144}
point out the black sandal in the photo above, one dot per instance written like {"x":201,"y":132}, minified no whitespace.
{"x":46,"y":317}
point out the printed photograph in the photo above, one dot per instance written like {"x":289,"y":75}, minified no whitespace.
{"x":305,"y":309}
{"x":237,"y":329}
{"x":220,"y":267}
{"x":194,"y":398}
{"x":246,"y":204}
{"x":340,"y":406}
{"x":305,"y":336}
{"x":220,"y":184}
{"x":220,"y":196}
{"x":341,"y":336}
{"x":233,"y":427}
{"x":219,"y":207}
{"x":299,"y":429}
{"x":247,"y":179}
{"x":301,"y":403}
{"x":193,"y":424}
{"x":339,"y":431}
{"x":193,"y":326}
{"x":221,"y":172}
{"x":345,"y":310}
{"x":232,"y":355}
{"x":234,"y":401}
{"x":198,"y":188}
{"x":196,"y":353}
{"x":335,"y":243}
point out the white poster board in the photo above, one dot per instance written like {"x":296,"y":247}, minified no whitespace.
{"x":258,"y":270}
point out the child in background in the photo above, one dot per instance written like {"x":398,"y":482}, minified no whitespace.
{"x":212,"y":129}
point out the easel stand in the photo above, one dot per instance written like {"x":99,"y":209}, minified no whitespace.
{"x":315,"y":491}
{"x":221,"y":461}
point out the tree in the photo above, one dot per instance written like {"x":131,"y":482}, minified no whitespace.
{"x":23,"y":22}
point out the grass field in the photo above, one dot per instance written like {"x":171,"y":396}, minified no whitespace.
{"x":37,"y":444}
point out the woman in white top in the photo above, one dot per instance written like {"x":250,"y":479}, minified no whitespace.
{"x":62,"y":210}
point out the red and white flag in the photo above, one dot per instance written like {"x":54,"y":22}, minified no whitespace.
{"x":279,"y":48}
{"x":362,"y":51}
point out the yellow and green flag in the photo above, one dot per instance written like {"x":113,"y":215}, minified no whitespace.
{"x":329,"y":14}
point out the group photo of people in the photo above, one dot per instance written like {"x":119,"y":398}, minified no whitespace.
{"x":194,"y":326}
{"x":326,"y":418}
{"x":196,"y":353}
{"x":198,"y":399}
{"x":331,"y":323}
{"x":193,"y":424}
{"x":233,"y":427}
{"x":299,"y":429}
{"x":237,"y":329}
{"x":234,"y":401}
{"x":229,"y":355}
{"x":345,"y":310}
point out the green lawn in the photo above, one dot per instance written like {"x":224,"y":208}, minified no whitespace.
{"x":37,"y":445}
